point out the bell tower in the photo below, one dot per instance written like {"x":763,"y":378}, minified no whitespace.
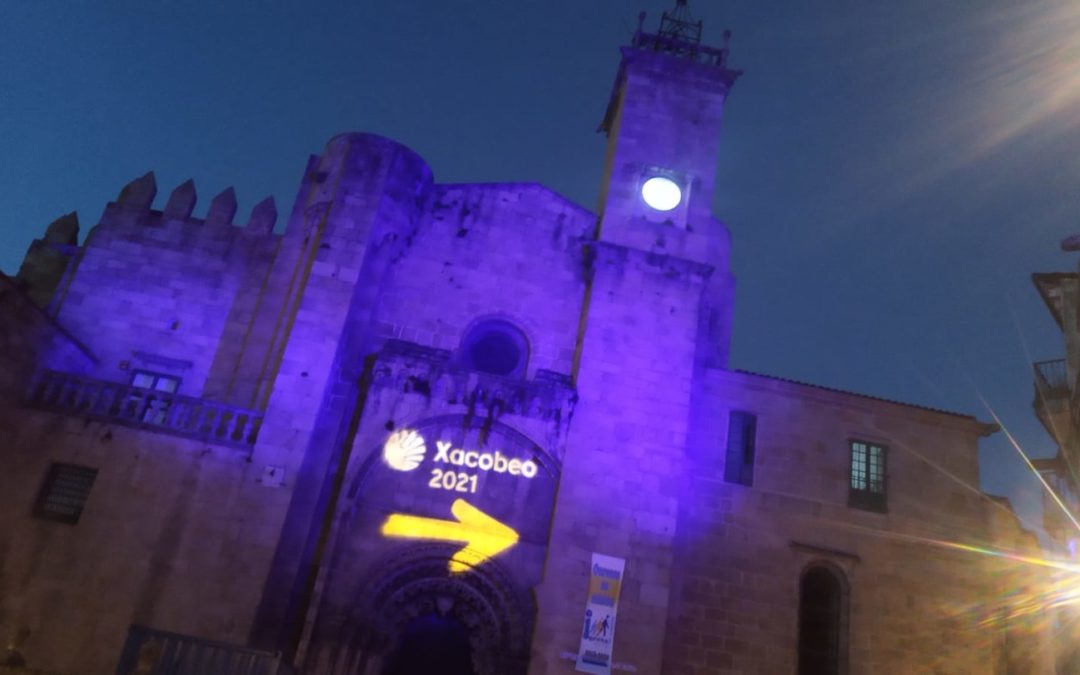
{"x":663,"y":129}
{"x":655,"y":321}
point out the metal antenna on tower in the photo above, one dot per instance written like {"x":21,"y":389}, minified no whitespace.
{"x":680,"y":35}
{"x":677,"y":24}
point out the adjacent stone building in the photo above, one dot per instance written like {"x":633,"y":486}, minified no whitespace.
{"x":1057,"y":405}
{"x":424,"y":426}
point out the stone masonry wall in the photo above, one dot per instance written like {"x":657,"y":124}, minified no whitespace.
{"x":49,"y":259}
{"x":175,"y":534}
{"x":367,"y":195}
{"x":253,"y":338}
{"x":227,"y":544}
{"x":510,"y":251}
{"x":153,"y":289}
{"x":915,"y":602}
{"x":619,"y":489}
{"x":667,"y":122}
{"x":164,"y":291}
{"x":30,"y":338}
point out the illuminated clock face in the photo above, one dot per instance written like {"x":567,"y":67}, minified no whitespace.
{"x":662,"y":194}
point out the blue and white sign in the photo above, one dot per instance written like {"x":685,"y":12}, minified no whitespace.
{"x":598,"y":630}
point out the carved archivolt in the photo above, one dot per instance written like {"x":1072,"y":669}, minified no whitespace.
{"x":498,"y":615}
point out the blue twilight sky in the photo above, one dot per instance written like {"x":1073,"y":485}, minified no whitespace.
{"x":892,"y":172}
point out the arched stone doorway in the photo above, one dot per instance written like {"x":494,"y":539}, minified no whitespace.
{"x":386,"y":590}
{"x":495,"y":617}
{"x":476,"y":623}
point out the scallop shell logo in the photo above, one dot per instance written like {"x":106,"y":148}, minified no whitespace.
{"x":404,"y":450}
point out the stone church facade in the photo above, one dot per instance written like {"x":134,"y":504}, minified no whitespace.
{"x":404,"y":426}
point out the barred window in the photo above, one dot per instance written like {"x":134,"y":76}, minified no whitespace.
{"x":739,"y":461}
{"x":64,"y":494}
{"x":867,"y":488}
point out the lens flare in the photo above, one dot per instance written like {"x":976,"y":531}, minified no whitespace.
{"x":1027,"y":460}
{"x":1033,"y":76}
{"x":1058,"y":587}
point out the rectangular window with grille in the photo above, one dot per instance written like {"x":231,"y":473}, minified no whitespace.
{"x":64,"y":494}
{"x":867,"y":488}
{"x":739,"y":464}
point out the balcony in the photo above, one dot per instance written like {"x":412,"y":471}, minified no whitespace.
{"x":147,"y":409}
{"x":157,"y":652}
{"x":1052,"y":394}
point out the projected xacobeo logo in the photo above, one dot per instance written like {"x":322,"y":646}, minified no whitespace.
{"x":405,"y":450}
{"x":481,"y":535}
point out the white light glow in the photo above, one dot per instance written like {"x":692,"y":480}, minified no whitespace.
{"x":662,"y":194}
{"x":404,"y":450}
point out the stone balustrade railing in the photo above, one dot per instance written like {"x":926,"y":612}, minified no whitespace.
{"x":141,"y":408}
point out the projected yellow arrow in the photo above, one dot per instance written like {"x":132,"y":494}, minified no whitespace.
{"x":483,"y":536}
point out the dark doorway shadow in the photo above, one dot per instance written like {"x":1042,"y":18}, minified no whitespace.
{"x":432,"y":645}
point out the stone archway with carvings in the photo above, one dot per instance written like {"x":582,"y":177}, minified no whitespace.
{"x":438,"y":455}
{"x":375,"y":585}
{"x":497,"y":615}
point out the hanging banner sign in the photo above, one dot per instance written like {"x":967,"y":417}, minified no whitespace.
{"x":598,"y":634}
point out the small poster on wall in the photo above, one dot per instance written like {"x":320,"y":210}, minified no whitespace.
{"x":598,"y":632}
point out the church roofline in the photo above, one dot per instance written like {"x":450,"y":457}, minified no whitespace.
{"x":516,"y":185}
{"x":985,"y":428}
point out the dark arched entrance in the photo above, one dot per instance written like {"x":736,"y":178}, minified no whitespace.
{"x":413,"y":617}
{"x":480,"y":620}
{"x":822,"y":606}
{"x":432,"y":645}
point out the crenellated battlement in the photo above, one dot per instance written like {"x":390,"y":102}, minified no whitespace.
{"x":133,"y":208}
{"x":148,"y":256}
{"x":156,"y":289}
{"x":48,"y":260}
